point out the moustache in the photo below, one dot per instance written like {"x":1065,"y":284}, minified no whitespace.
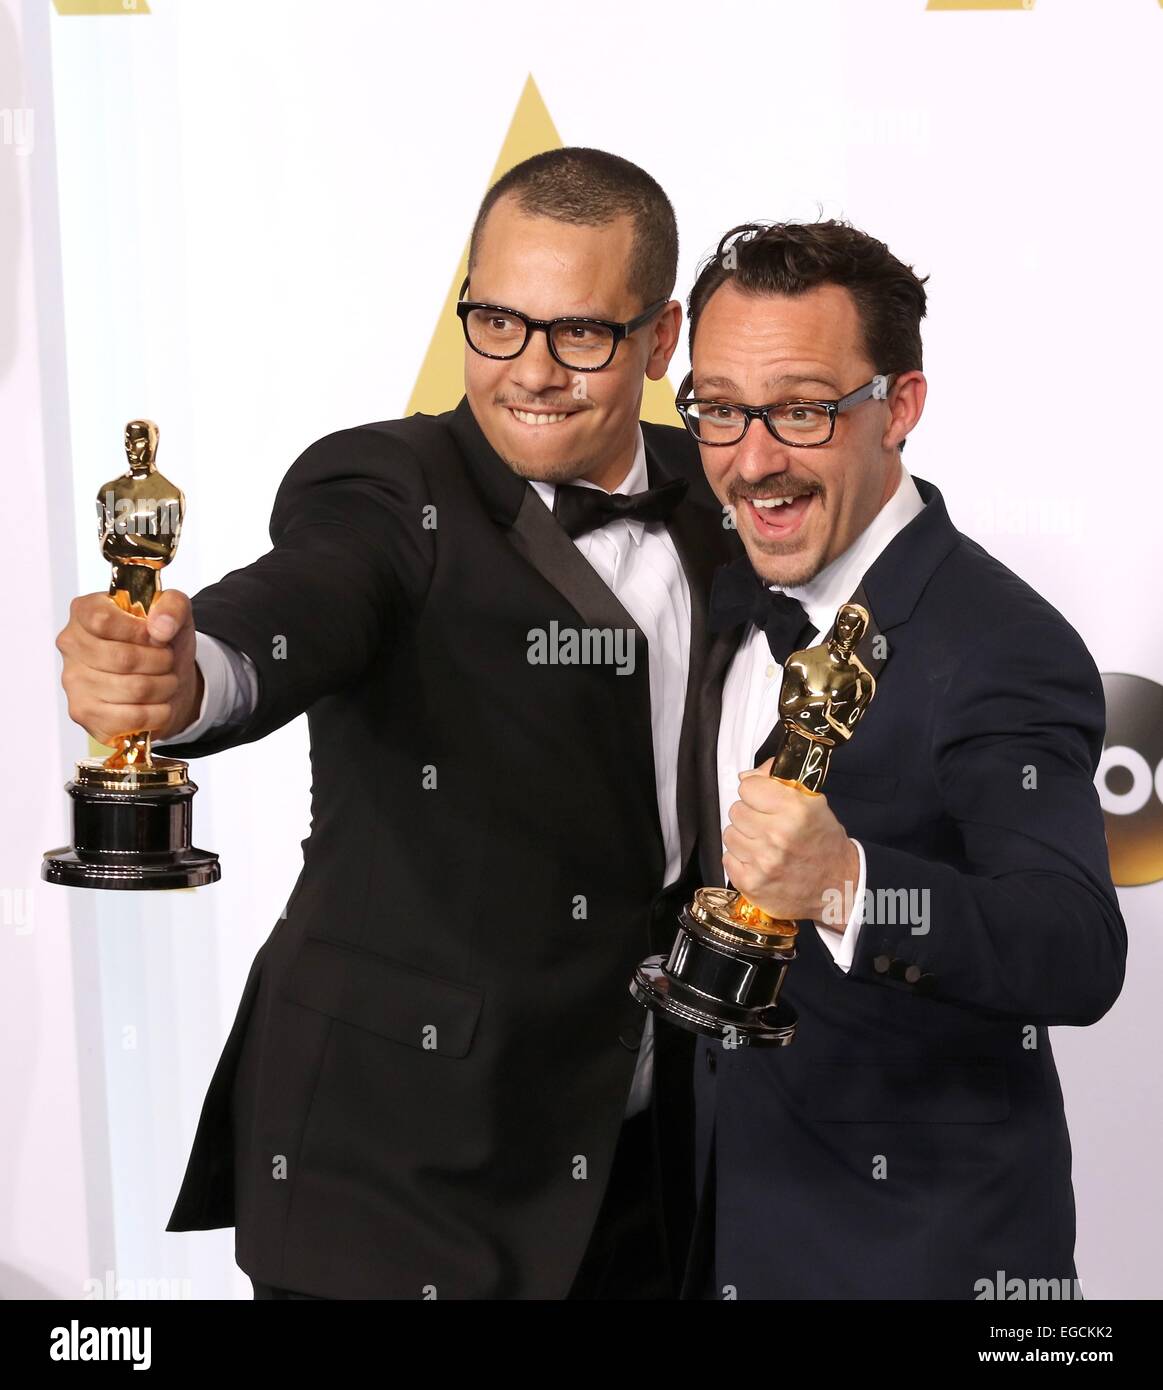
{"x":742,"y":492}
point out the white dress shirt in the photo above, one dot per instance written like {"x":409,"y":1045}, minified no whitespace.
{"x":640,"y":565}
{"x":751,"y":690}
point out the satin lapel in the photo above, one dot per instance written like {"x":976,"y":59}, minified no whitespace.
{"x":710,"y":706}
{"x":873,"y":648}
{"x":538,"y":538}
{"x":690,"y":531}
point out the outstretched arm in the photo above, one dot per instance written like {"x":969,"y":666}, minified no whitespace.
{"x":350,"y":564}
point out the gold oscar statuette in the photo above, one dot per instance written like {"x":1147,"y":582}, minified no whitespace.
{"x":727,"y":965}
{"x":132,"y":809}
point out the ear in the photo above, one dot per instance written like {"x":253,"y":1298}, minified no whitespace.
{"x":664,"y":333}
{"x":906,"y":401}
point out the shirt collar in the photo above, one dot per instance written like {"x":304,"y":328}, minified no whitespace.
{"x":636,"y":480}
{"x":837,"y":581}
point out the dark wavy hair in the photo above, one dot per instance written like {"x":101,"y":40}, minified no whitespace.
{"x":791,"y":257}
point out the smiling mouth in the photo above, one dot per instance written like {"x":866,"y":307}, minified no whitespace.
{"x":778,"y":517}
{"x":540,"y":418}
{"x":771,"y":502}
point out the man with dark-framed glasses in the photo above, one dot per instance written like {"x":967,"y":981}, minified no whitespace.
{"x":437,"y":1084}
{"x":578,"y":344}
{"x":951,"y":883}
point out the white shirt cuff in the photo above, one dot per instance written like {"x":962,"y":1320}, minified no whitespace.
{"x":230,"y":688}
{"x":843,"y":947}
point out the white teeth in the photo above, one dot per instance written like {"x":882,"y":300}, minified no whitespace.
{"x":529,"y":418}
{"x":772,"y":501}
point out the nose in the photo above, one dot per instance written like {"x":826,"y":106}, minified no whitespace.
{"x":537,"y":371}
{"x":759,"y":454}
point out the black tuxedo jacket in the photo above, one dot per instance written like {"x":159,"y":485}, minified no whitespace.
{"x":911,"y":1140}
{"x":430,"y":1064}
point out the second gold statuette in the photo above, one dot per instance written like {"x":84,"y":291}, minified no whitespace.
{"x":724,"y":973}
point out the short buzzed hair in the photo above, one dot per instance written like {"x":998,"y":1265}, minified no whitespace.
{"x":591,"y":188}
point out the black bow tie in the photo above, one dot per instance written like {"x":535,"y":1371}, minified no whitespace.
{"x":582,"y":509}
{"x":738,"y":595}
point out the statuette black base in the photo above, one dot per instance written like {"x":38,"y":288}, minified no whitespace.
{"x":720,"y":981}
{"x":131,"y":831}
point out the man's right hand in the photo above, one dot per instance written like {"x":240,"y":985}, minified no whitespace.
{"x":123,"y":674}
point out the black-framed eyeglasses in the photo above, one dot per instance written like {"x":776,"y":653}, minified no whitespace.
{"x":581,"y":344}
{"x":802,"y":424}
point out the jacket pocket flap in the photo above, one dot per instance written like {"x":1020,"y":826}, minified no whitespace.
{"x":904,"y":1091}
{"x":384,"y":996}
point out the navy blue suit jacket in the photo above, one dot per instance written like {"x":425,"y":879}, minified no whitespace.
{"x":911,"y":1140}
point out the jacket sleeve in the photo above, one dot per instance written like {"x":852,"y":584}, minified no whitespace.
{"x":1028,"y":927}
{"x":350,"y":563}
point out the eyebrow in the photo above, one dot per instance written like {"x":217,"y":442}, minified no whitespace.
{"x":572,"y":314}
{"x":773,"y":383}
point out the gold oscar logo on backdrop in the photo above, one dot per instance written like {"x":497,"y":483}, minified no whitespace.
{"x":91,"y":7}
{"x":980,"y":5}
{"x":440,"y":383}
{"x":986,"y":4}
{"x":1130,"y":778}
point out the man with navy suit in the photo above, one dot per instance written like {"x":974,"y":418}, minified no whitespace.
{"x":951,"y":884}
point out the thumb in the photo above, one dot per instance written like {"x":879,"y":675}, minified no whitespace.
{"x":168,"y":614}
{"x":763,"y":770}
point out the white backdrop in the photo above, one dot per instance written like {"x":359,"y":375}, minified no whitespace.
{"x":220,"y":217}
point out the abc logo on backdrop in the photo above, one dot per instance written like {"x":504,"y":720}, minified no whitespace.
{"x":1130,"y":778}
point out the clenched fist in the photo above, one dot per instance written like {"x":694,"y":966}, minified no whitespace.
{"x":786,"y":851}
{"x":123,"y":673}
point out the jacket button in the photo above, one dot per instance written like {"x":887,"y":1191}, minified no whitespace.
{"x":881,"y":964}
{"x":630,"y":1039}
{"x":712,"y":1062}
{"x":913,"y":974}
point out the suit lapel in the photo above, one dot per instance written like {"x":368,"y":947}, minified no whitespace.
{"x":541,"y":542}
{"x":896,"y":579}
{"x":537,"y":537}
{"x":873,"y":648}
{"x":690,"y":530}
{"x":710,"y":707}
